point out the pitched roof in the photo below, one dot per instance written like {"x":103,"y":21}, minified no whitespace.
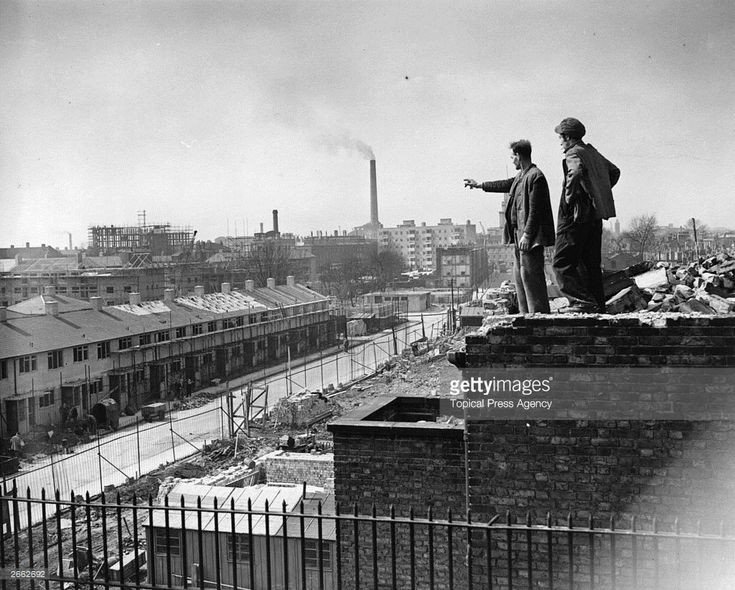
{"x":28,"y":330}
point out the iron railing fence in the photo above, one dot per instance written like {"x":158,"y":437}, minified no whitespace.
{"x":278,"y":547}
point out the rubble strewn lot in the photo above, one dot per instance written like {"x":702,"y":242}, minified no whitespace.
{"x":231,"y":459}
{"x":705,"y":287}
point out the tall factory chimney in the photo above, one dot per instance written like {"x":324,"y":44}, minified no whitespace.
{"x":373,"y":195}
{"x":275,"y":222}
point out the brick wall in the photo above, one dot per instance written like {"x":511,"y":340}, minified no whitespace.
{"x":651,"y":340}
{"x":315,"y":470}
{"x":383,"y":460}
{"x":651,"y":468}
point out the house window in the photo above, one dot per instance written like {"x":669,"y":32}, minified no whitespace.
{"x":162,"y":336}
{"x":181,"y":332}
{"x":109,"y":289}
{"x":81,"y":353}
{"x":212,"y":326}
{"x":46,"y":399}
{"x":26,"y":364}
{"x":3,"y":370}
{"x":197,"y":329}
{"x":311,"y":554}
{"x":103,"y":350}
{"x":55,"y":359}
{"x":124,"y":343}
{"x":240,"y":547}
{"x":168,"y":542}
{"x":145,"y":339}
{"x":240,"y":321}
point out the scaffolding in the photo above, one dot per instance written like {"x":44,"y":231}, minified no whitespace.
{"x":158,"y":239}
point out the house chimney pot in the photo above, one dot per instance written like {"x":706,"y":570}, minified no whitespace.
{"x":134,"y":298}
{"x":168,"y":295}
{"x":96,"y":303}
{"x":49,"y":290}
{"x":249,"y":285}
{"x":290,"y":281}
{"x":270,"y":283}
{"x":28,"y":244}
{"x":226,"y":288}
{"x":199,"y":290}
{"x":52,"y":308}
{"x":3,"y":314}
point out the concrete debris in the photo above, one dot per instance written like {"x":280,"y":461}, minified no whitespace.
{"x":705,"y":287}
{"x":627,"y":300}
{"x":302,"y":409}
{"x":501,"y":300}
{"x":652,"y":279}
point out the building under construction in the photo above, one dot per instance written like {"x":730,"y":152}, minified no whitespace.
{"x":157,"y":239}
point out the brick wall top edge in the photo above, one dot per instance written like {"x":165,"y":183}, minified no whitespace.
{"x":649,"y":319}
{"x":427,"y":430}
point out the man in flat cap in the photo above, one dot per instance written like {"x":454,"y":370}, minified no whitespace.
{"x":586,"y":200}
{"x":529,"y":225}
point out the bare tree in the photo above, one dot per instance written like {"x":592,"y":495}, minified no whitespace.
{"x":642,"y":235}
{"x":348,"y":279}
{"x":270,"y":259}
{"x":611,"y":243}
{"x":386,"y":266}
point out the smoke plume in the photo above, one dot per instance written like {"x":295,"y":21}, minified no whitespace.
{"x":345,"y":141}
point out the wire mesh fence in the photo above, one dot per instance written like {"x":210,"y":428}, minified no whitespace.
{"x":114,"y":458}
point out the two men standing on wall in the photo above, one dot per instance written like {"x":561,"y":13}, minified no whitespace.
{"x":586,"y":200}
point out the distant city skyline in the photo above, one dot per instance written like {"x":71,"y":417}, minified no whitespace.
{"x":202,"y":111}
{"x":329,"y":231}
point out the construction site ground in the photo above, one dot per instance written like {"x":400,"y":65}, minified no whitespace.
{"x":404,"y":375}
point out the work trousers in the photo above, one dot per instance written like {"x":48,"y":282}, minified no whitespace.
{"x":528,"y":272}
{"x":577,"y":259}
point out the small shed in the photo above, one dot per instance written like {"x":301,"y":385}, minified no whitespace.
{"x":236,"y":545}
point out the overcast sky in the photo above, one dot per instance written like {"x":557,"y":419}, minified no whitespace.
{"x":211,"y":114}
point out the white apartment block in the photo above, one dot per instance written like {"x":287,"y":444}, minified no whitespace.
{"x":418,"y":243}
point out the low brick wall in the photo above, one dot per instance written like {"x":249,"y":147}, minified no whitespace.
{"x":285,"y":467}
{"x":391,"y":452}
{"x":642,"y":340}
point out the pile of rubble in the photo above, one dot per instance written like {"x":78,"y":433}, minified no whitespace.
{"x":501,"y":300}
{"x":706,"y":287}
{"x":302,"y":409}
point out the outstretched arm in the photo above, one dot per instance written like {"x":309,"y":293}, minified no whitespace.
{"x":490,"y":186}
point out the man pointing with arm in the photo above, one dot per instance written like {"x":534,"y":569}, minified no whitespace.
{"x":528,"y":224}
